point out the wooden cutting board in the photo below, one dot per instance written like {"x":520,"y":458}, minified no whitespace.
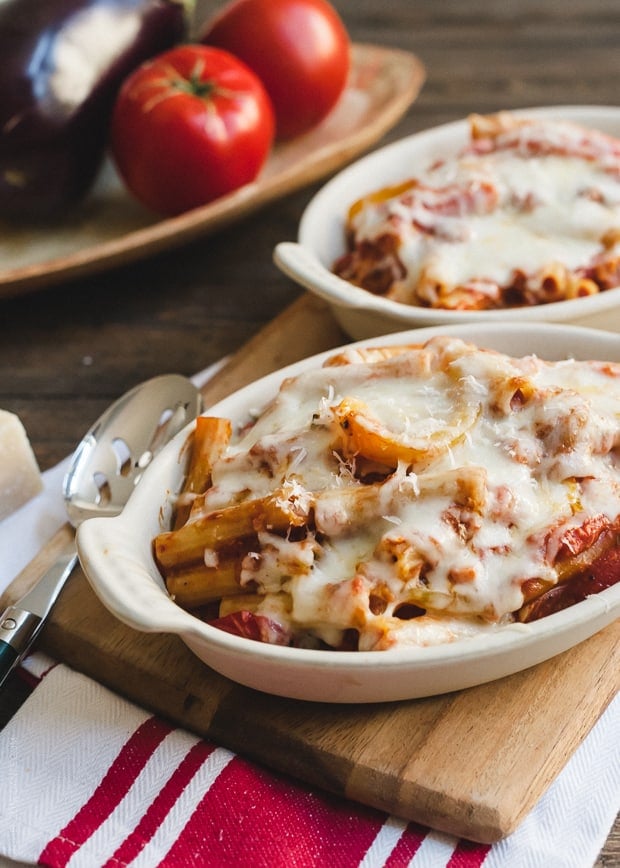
{"x":471,"y":763}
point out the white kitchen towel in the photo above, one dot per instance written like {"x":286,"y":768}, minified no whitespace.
{"x":91,"y":780}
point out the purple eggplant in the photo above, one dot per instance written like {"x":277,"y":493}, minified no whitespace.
{"x":63,"y":62}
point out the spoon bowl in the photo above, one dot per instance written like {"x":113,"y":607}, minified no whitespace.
{"x":115,"y":452}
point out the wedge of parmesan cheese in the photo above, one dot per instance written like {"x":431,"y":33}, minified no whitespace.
{"x":20,"y":478}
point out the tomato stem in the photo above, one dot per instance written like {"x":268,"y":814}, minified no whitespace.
{"x":196,"y":86}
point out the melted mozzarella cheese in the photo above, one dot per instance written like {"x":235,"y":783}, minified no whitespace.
{"x":455,"y":533}
{"x":562,"y":224}
{"x":538,"y":211}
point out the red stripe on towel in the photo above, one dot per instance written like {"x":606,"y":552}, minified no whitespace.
{"x":114,"y":786}
{"x":161,"y":805}
{"x":407,"y":846}
{"x":250,"y":817}
{"x":468,"y":854}
{"x":30,"y":678}
{"x":31,"y":681}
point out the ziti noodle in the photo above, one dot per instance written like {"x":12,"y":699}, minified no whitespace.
{"x":408,"y":495}
{"x":528,"y":213}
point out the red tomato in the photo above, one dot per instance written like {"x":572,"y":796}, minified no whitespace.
{"x":190,"y":126}
{"x":298,"y":48}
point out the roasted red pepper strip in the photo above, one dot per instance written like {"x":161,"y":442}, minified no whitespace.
{"x":251,"y":626}
{"x":601,"y":574}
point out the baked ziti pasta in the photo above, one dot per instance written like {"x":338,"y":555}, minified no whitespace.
{"x":528,"y":213}
{"x":407,"y":495}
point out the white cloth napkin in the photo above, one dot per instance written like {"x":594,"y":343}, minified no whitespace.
{"x":91,"y":780}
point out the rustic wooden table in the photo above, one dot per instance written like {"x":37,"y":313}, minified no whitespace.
{"x":67,"y":350}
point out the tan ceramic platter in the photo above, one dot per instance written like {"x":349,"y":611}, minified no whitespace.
{"x":110,"y":228}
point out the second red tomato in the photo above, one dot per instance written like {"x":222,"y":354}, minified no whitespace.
{"x":298,"y":48}
{"x":190,"y":126}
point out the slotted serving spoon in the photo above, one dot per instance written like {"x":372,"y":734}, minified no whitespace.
{"x":104,"y":470}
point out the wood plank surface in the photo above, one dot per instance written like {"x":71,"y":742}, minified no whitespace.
{"x":470,"y":763}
